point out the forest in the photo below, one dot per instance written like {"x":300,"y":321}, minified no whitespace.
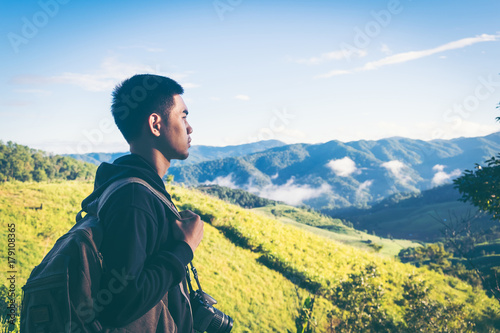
{"x":18,"y":162}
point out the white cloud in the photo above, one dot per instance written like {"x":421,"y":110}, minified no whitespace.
{"x":399,"y":170}
{"x":441,"y":177}
{"x":291,"y":193}
{"x":226,"y":181}
{"x":334,"y":55}
{"x":112,"y":72}
{"x":242,"y":97}
{"x":413,"y":55}
{"x":438,"y":167}
{"x":333,"y":73}
{"x":343,"y":167}
{"x":363,"y":189}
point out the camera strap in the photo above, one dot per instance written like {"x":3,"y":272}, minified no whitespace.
{"x":188,"y":277}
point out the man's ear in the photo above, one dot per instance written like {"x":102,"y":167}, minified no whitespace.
{"x":154,"y":124}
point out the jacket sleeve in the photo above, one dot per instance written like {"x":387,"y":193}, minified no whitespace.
{"x":139,"y":271}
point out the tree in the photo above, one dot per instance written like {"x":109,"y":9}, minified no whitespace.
{"x":423,"y":314}
{"x":433,"y":255}
{"x":481,"y":186}
{"x":358,"y":304}
{"x":22,"y":163}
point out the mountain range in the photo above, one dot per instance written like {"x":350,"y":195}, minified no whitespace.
{"x":197,"y":153}
{"x":425,"y":216}
{"x":335,"y":174}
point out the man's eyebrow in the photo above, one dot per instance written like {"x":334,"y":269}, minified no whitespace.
{"x":186,"y":112}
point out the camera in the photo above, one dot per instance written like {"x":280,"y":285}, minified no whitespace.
{"x":207,"y":318}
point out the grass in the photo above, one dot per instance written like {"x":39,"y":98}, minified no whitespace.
{"x":334,"y":229}
{"x":311,"y":258}
{"x":253,"y":265}
{"x":252,"y":294}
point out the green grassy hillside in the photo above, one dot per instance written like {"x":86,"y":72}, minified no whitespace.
{"x":309,"y":219}
{"x":334,"y":229}
{"x":255,"y":266}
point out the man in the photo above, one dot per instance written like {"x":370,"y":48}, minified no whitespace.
{"x":145,"y":248}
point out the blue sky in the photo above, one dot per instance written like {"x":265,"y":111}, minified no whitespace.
{"x":297,"y":71}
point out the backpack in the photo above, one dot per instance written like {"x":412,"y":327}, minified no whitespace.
{"x":63,"y":292}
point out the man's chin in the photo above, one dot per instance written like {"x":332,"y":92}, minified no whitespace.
{"x":183,"y":156}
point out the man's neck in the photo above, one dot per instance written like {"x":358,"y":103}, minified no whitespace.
{"x":154,"y":157}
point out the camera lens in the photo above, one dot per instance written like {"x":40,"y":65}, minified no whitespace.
{"x":221,"y":323}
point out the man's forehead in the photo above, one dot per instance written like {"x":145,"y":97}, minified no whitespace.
{"x":179,"y":105}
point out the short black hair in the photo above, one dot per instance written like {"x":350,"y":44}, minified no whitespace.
{"x":136,"y":98}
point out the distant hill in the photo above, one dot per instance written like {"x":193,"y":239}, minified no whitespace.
{"x":97,"y":158}
{"x":336,"y":174}
{"x":18,"y":162}
{"x":197,"y":153}
{"x":236,"y":196}
{"x":417,"y":216}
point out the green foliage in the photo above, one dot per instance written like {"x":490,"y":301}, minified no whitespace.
{"x":358,"y":304}
{"x":423,"y":314}
{"x":376,"y":247}
{"x":169,"y":179}
{"x":305,"y":322}
{"x":358,"y":307}
{"x":481,"y":186}
{"x":21,"y":163}
{"x":433,"y":255}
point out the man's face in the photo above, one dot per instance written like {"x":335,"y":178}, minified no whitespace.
{"x":176,"y":131}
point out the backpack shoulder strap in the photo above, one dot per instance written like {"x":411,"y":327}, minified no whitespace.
{"x":122,"y":182}
{"x":125,"y":181}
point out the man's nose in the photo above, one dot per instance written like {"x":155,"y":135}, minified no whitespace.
{"x":189,"y":129}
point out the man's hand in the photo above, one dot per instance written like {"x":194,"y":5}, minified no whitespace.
{"x":189,"y":229}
